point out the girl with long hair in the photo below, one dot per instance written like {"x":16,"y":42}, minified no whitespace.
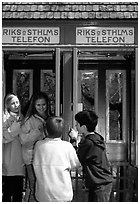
{"x":12,"y":162}
{"x":32,"y":131}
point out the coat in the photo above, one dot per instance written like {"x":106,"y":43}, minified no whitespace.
{"x":32,"y":130}
{"x":92,"y":155}
{"x":12,"y":161}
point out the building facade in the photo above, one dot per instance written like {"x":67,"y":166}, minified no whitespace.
{"x":84,"y":55}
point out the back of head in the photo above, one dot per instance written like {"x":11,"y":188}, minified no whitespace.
{"x":55,"y":126}
{"x":87,"y":118}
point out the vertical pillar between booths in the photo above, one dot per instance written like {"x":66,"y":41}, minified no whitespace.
{"x":136,"y":85}
{"x":101,"y":101}
{"x":75,"y":108}
{"x":57,"y":86}
{"x":3,"y":80}
{"x":67,"y":92}
{"x":75,"y":83}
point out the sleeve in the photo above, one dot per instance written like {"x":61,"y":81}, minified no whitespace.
{"x":37,"y":155}
{"x":74,"y":161}
{"x":37,"y":161}
{"x":10,"y":132}
{"x":83,"y":151}
{"x":28,"y":135}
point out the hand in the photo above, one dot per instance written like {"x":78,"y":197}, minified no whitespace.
{"x":15,"y":127}
{"x":73,"y":134}
{"x":19,"y":119}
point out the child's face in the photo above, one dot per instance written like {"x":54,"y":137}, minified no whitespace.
{"x":14,"y":105}
{"x":41,"y":106}
{"x":79,"y":128}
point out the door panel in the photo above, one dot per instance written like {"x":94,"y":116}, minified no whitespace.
{"x":102,"y":88}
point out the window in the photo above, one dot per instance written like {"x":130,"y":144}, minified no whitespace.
{"x":116,"y":105}
{"x":48,"y":82}
{"x":23,"y":85}
{"x":88,"y":82}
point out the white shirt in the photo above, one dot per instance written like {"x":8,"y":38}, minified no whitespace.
{"x":53,"y":160}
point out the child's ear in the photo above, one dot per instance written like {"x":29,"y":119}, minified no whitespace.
{"x":84,"y":127}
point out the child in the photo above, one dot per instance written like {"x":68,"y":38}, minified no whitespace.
{"x":92,"y":155}
{"x":12,"y":164}
{"x":53,"y":161}
{"x":32,"y":131}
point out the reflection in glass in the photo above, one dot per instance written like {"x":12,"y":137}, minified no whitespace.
{"x":48,"y":86}
{"x":88,"y":89}
{"x":115,"y":90}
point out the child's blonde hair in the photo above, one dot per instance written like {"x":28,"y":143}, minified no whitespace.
{"x":7,"y":99}
{"x":54,"y":126}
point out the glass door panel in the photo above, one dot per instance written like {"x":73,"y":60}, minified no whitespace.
{"x":48,"y":82}
{"x":116,"y":105}
{"x":87,"y":89}
{"x":23,"y":85}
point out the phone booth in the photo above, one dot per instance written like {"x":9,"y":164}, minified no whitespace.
{"x":84,"y":56}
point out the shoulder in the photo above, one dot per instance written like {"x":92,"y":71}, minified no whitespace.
{"x":66,"y":144}
{"x":32,"y":120}
{"x":5,"y":116}
{"x":39,"y":144}
{"x":88,"y":141}
{"x":39,"y":118}
{"x":26,"y":120}
{"x":95,"y":136}
{"x":98,"y":135}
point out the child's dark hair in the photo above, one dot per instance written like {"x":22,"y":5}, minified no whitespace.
{"x":31,"y":105}
{"x":87,"y":118}
{"x":54,"y":126}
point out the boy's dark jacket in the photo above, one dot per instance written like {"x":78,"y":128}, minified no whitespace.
{"x":92,"y":155}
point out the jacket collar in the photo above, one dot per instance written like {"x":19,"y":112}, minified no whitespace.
{"x":40,"y":118}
